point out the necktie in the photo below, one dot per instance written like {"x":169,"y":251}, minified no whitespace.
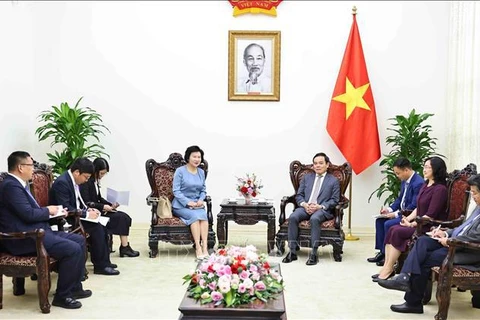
{"x":81,"y":204}
{"x":464,"y":227}
{"x":316,"y":191}
{"x":27,"y":188}
{"x":402,"y":203}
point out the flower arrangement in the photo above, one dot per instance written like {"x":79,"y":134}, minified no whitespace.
{"x":249,"y":186}
{"x":234,"y":276}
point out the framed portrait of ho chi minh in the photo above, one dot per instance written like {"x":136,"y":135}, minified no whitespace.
{"x":254,"y":65}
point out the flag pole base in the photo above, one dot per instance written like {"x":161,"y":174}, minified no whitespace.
{"x":351,"y":237}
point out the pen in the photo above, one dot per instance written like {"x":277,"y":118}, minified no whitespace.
{"x":438,"y":228}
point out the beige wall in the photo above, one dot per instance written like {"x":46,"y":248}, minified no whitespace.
{"x":157,"y":72}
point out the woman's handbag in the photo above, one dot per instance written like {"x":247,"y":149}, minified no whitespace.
{"x":164,"y":208}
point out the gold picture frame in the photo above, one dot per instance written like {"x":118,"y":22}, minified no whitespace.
{"x":253,"y":65}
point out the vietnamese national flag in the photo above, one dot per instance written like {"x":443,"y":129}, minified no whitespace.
{"x":352,"y":121}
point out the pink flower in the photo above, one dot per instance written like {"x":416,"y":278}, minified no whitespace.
{"x":255,"y":276}
{"x":260,"y":286}
{"x":212,"y":285}
{"x":244,"y":274}
{"x":241,"y":288}
{"x":216,"y":296}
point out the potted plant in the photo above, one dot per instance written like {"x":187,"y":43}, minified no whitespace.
{"x":411,"y":140}
{"x":74,"y":128}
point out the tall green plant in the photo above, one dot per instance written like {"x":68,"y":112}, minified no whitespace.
{"x":411,"y":140}
{"x":73,"y":128}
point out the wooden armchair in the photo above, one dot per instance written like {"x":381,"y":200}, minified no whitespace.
{"x":173,"y":230}
{"x":22,"y":266}
{"x":332,"y":232}
{"x":448,"y":274}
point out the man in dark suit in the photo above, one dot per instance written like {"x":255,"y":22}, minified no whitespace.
{"x":65,"y":191}
{"x":429,"y":252}
{"x":317,"y":196}
{"x":407,"y":200}
{"x":20,"y":212}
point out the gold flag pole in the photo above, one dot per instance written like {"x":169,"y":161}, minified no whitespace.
{"x":350,"y":236}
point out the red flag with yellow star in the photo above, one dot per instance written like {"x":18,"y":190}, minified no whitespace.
{"x":352,"y":121}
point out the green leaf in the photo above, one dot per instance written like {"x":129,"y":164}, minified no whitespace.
{"x":410,"y":139}
{"x":71,"y":130}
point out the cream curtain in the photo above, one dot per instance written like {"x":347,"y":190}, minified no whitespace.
{"x":463,"y":87}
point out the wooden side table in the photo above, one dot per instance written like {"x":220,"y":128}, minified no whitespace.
{"x":246,"y":214}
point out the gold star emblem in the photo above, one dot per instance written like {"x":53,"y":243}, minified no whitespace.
{"x":353,"y":98}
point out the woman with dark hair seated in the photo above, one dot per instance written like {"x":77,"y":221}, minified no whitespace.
{"x":431,"y":201}
{"x":120,"y":222}
{"x":189,"y":191}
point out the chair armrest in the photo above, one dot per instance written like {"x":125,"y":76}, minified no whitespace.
{"x":153,"y":202}
{"x":338,"y":212}
{"x":37,"y":235}
{"x":283,"y":204}
{"x":208,"y":201}
{"x":77,"y":226}
{"x":450,"y":224}
{"x":455,"y":243}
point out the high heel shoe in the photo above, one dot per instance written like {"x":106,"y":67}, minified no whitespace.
{"x":378,"y":277}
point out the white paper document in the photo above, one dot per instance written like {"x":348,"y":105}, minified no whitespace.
{"x":380,"y":216}
{"x":100,"y":219}
{"x":121,"y":197}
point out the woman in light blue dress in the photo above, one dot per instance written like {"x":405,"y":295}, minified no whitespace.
{"x":189,"y":191}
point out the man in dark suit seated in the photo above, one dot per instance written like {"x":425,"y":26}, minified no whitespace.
{"x":19,"y":212}
{"x":429,"y":252}
{"x":317,"y":196}
{"x":407,"y":200}
{"x":65,"y":191}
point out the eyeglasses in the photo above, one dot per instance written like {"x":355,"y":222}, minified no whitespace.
{"x":427,"y":167}
{"x":27,"y":164}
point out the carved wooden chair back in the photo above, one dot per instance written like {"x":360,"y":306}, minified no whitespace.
{"x":160,"y":175}
{"x":342,"y":172}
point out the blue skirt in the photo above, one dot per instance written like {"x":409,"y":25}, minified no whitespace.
{"x":189,"y":216}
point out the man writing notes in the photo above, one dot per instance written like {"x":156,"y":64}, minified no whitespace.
{"x":65,"y":191}
{"x":407,"y":200}
{"x":20,"y":212}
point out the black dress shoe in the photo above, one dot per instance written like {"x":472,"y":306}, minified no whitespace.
{"x":379,"y":256}
{"x":81,"y":294}
{"x":113,"y":265}
{"x":67,"y":303}
{"x":406,"y":308}
{"x":290,"y":257}
{"x":400,"y":282}
{"x":376,"y":279}
{"x":380,"y":263}
{"x":375,"y":276}
{"x":312,"y":260}
{"x":108,"y":271}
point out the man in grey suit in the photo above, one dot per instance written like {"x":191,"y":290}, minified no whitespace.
{"x":317,"y":196}
{"x":429,"y":252}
